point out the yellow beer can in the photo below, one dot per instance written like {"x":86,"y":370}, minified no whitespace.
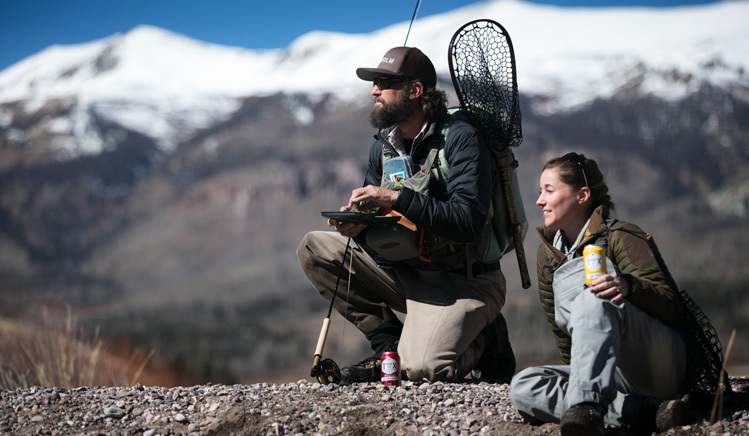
{"x":594,"y":259}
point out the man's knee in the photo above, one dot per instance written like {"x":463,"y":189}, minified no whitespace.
{"x":301,"y":250}
{"x":424,"y":368}
{"x":306,"y":251}
{"x":416,"y":369}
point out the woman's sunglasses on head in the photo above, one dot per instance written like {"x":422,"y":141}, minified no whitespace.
{"x":576,"y":158}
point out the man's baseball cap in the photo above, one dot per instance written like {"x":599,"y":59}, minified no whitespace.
{"x":407,"y":62}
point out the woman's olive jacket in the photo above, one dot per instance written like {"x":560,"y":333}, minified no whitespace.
{"x":649,"y":287}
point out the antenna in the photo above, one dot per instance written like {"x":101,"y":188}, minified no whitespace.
{"x":416,"y":11}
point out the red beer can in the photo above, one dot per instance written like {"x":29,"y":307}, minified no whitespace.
{"x":391,"y":369}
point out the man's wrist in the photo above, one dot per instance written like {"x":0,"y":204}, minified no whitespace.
{"x":394,"y":197}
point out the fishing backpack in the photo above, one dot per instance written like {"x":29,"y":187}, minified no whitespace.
{"x":501,"y":240}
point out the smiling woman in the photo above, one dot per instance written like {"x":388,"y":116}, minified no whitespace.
{"x":561,"y":206}
{"x":622,"y":339}
{"x":565,"y":192}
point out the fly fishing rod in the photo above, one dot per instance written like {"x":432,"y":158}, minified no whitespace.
{"x":413,"y":17}
{"x":326,"y":370}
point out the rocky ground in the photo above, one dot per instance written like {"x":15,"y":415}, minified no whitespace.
{"x":302,"y":408}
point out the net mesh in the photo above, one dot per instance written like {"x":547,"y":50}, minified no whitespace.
{"x":704,"y":354}
{"x":482,"y":66}
{"x":702,"y":378}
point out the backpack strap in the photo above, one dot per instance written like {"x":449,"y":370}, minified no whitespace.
{"x":436,"y":165}
{"x":441,"y":169}
{"x":602,"y":239}
{"x":435,"y":161}
{"x":432,"y":157}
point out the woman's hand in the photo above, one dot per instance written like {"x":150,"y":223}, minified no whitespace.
{"x":610,"y":286}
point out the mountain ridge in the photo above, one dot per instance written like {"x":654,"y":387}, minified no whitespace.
{"x":169,"y":86}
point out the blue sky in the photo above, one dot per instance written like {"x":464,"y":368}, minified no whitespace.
{"x":28,"y":26}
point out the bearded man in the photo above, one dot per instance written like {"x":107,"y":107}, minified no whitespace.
{"x":445,"y":279}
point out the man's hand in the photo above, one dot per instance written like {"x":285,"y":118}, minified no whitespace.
{"x":363,"y":199}
{"x":370,"y":197}
{"x":348,"y":230}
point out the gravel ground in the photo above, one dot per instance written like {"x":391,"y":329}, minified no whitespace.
{"x":302,"y":408}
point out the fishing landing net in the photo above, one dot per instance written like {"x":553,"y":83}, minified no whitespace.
{"x":482,"y":67}
{"x":704,"y":354}
{"x":702,"y":377}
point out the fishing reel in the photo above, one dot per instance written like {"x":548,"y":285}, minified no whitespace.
{"x":326,"y":371}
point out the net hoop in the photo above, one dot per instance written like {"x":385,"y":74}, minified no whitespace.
{"x":482,"y":67}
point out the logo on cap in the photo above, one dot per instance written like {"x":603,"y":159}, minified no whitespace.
{"x":388,"y":60}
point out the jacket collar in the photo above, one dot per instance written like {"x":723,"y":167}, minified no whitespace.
{"x":596,"y":227}
{"x":432,"y":127}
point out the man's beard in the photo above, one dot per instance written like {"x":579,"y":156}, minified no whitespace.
{"x":390,"y":114}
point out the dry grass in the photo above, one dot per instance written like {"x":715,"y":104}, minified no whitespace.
{"x":718,"y":403}
{"x":55,"y":352}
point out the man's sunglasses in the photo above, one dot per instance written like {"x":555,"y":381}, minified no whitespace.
{"x":386,"y":82}
{"x":576,"y":158}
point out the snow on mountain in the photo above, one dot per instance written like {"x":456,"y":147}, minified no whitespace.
{"x":150,"y":80}
{"x":168,"y":86}
{"x":569,"y":56}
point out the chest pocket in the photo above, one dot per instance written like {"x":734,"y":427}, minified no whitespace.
{"x":416,"y":179}
{"x":568,"y":283}
{"x":399,"y":243}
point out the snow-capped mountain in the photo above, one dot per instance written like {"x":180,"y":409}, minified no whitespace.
{"x":167,"y":86}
